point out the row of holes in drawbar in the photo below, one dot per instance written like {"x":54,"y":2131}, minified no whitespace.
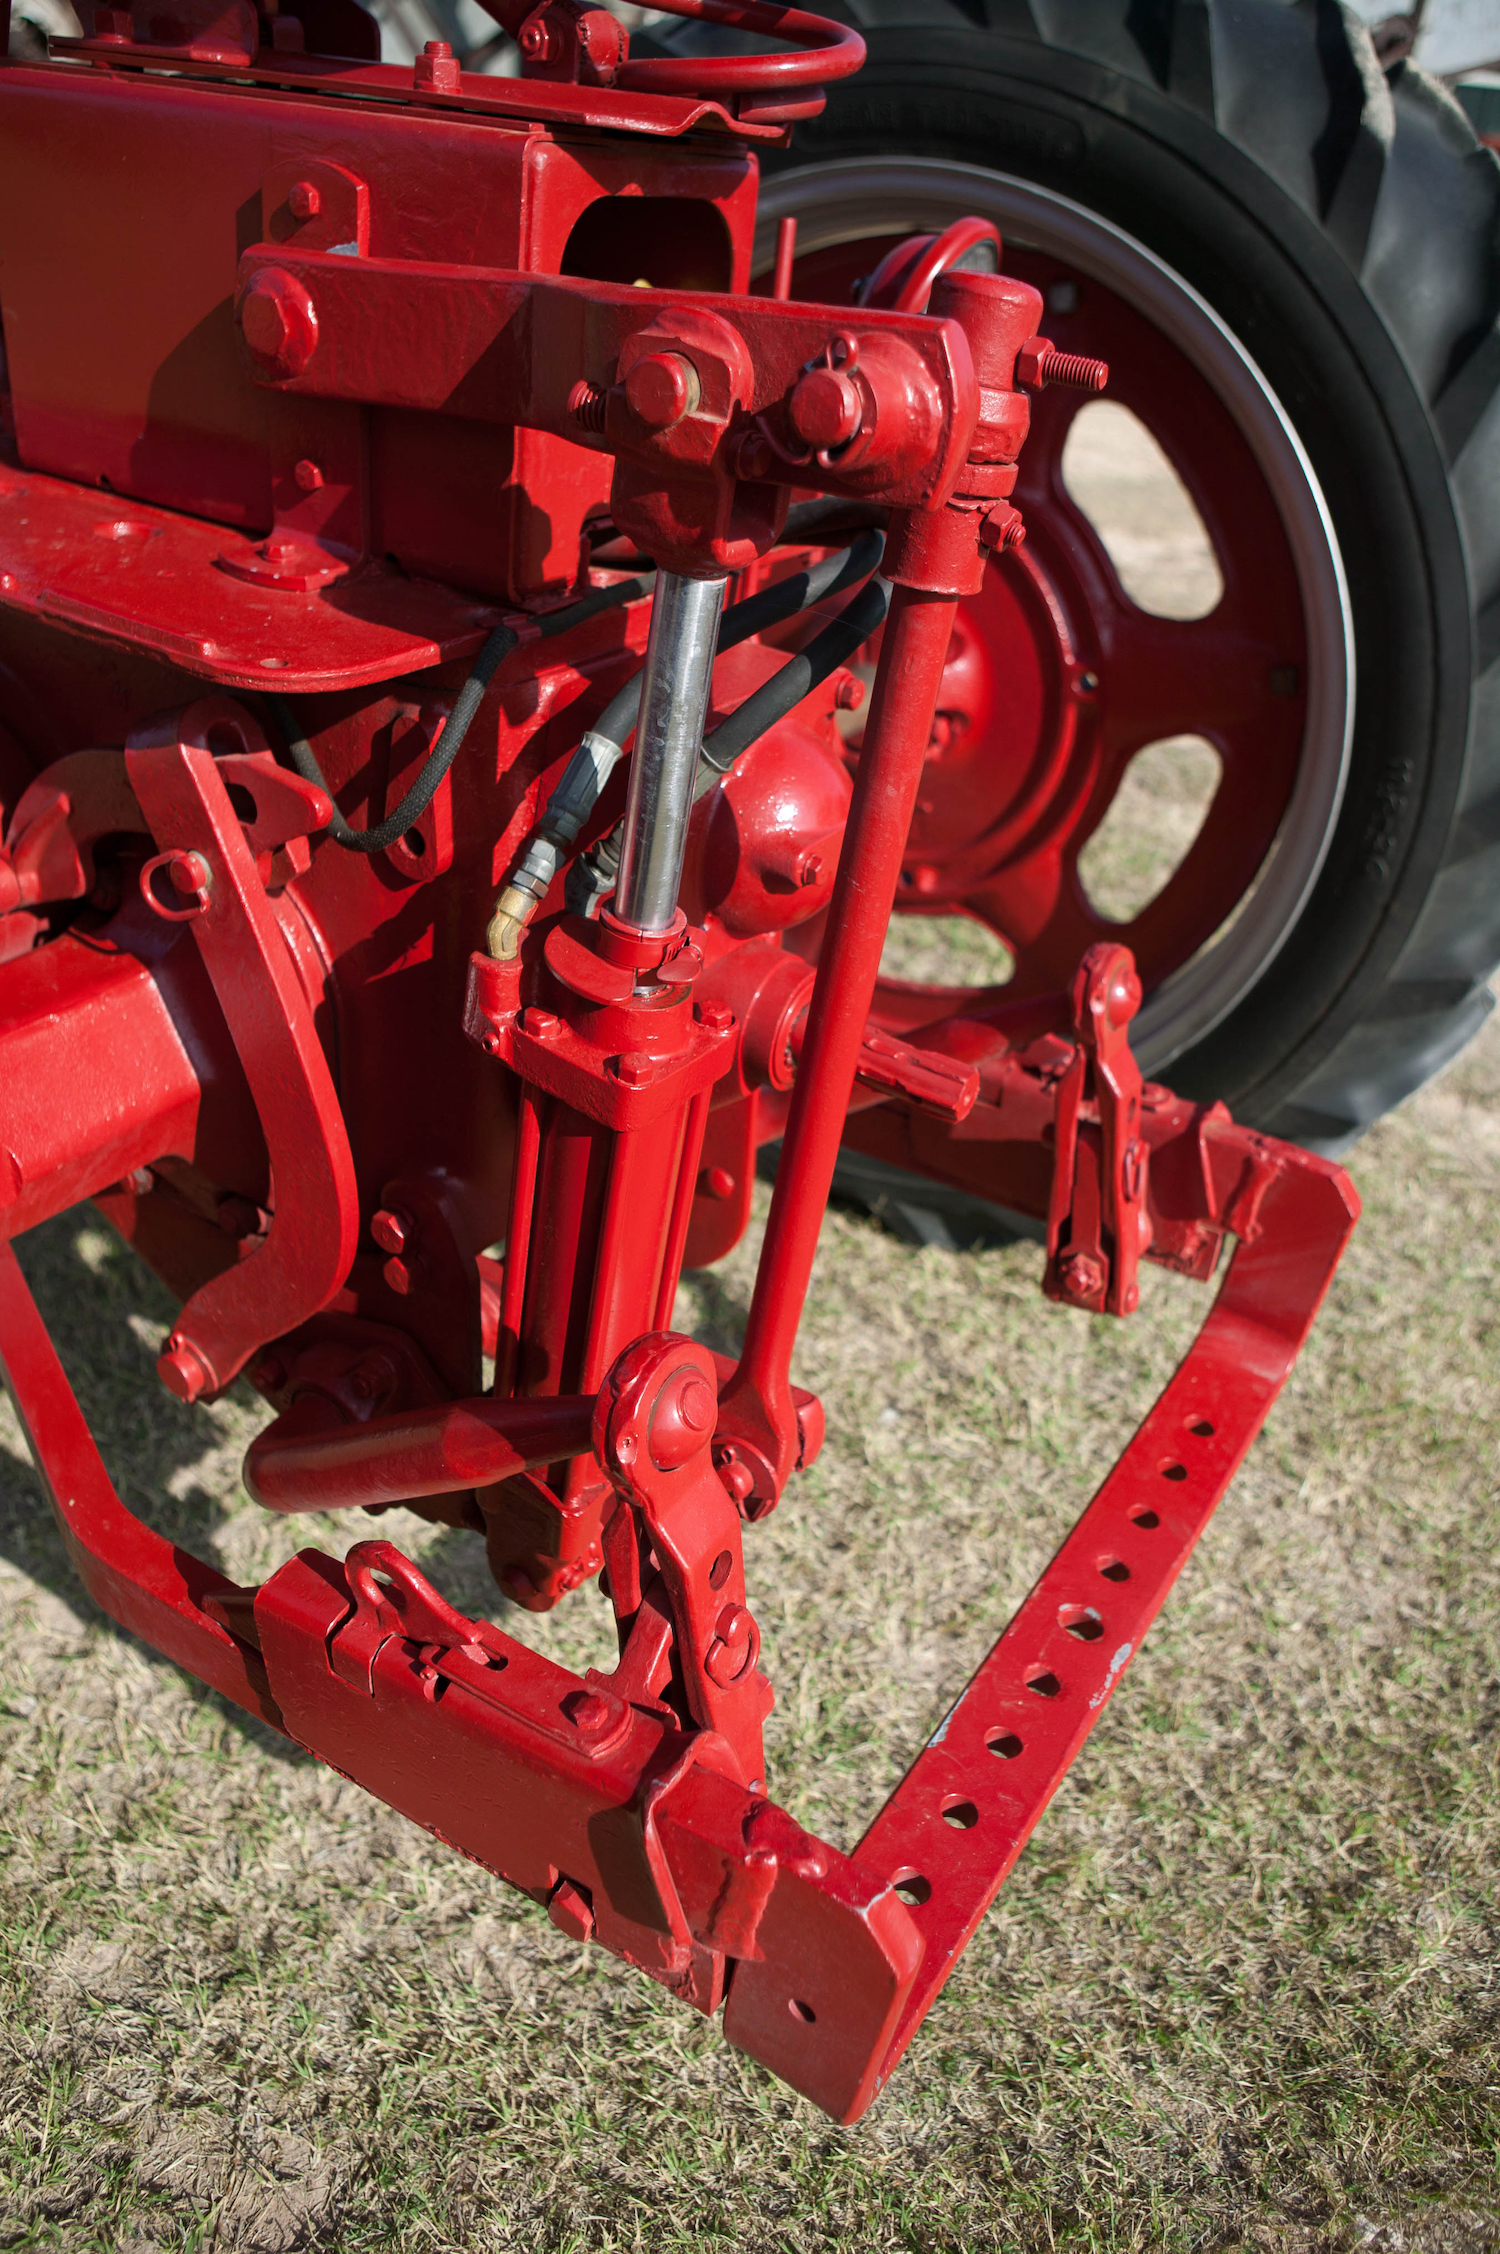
{"x":1086,"y":1623}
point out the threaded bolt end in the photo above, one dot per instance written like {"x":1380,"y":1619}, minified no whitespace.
{"x":586,"y":405}
{"x":1074,"y":369}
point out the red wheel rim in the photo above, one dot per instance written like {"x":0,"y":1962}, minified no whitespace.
{"x":1058,"y":679}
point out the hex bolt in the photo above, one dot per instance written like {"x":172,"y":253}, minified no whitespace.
{"x":636,"y":1070}
{"x":435,"y":71}
{"x":716,"y":1182}
{"x":403,"y":1276}
{"x":1081,"y":1275}
{"x":308,"y":476}
{"x":586,"y":1709}
{"x":661,"y":389}
{"x":1039,"y":363}
{"x":535,"y":41}
{"x":849,"y":692}
{"x":1003,"y":527}
{"x":542,"y":1025}
{"x":279,"y":323}
{"x":718,"y":1017}
{"x":393,"y":1230}
{"x":304,"y":200}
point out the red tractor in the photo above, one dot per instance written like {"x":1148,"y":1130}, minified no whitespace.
{"x":498,"y":608}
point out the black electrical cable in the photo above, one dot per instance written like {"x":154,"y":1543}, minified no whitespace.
{"x":450,"y":741}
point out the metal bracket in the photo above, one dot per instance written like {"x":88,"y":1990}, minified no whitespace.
{"x":1098,"y":1224}
{"x":314,"y":1230}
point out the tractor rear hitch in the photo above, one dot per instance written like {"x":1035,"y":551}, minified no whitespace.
{"x":315,"y":1153}
{"x":634,"y":1805}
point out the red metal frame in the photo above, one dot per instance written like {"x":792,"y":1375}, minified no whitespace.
{"x":347,"y":425}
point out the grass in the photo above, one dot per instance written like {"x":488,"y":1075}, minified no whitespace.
{"x":1241,"y":1990}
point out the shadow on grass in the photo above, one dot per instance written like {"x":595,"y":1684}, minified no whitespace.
{"x":106,"y":1312}
{"x":103,"y":1308}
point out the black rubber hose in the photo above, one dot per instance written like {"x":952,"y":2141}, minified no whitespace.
{"x":592,"y":875}
{"x":784,"y":598}
{"x":791,"y":683}
{"x":450,"y":741}
{"x":806,"y":520}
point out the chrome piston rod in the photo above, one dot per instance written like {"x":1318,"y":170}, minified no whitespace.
{"x":668,"y":739}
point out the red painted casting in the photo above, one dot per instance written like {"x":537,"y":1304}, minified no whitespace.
{"x":334,"y":464}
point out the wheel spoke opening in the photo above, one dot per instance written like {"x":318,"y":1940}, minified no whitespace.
{"x":1115,"y":471}
{"x":947,"y":951}
{"x":1151,"y":827}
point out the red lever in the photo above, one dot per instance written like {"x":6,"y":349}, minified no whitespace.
{"x":942,"y":1085}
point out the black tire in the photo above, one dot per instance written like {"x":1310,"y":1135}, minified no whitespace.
{"x":1345,"y":225}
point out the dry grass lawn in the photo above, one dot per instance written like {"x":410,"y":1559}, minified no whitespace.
{"x":1240,"y":1992}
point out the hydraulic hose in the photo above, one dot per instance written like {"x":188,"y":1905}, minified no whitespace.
{"x":450,"y":740}
{"x":602,"y":747}
{"x":593,"y":876}
{"x":774,"y":699}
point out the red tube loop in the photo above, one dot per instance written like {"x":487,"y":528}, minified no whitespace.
{"x":903,"y":280}
{"x":829,"y":50}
